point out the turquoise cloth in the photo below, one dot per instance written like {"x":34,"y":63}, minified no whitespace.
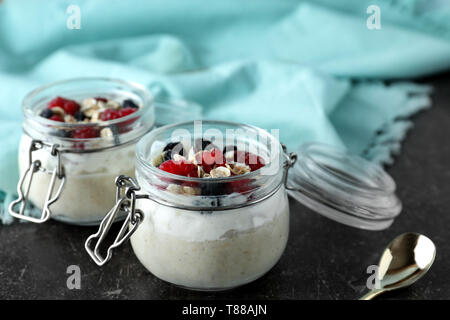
{"x":311,"y":69}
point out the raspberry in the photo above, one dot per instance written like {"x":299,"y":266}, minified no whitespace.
{"x":70,"y":107}
{"x":101,"y":99}
{"x":210,"y":159}
{"x":85,"y":133}
{"x":181,"y":167}
{"x":126,"y":111}
{"x":110,"y":114}
{"x":252,"y":160}
{"x":56,"y":117}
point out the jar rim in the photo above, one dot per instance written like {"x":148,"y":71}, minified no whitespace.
{"x":147,"y":103}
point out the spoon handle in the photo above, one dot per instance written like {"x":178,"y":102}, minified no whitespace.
{"x":371,"y":294}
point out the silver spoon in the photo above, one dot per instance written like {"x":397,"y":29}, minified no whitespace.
{"x":406,"y":259}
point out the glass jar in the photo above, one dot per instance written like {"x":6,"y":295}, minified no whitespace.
{"x":219,"y":233}
{"x":71,"y":179}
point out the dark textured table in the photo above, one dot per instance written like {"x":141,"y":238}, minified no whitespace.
{"x":323,"y":259}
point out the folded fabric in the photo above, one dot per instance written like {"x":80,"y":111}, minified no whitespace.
{"x":275,"y":64}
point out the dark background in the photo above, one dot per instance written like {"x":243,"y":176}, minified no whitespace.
{"x":323,"y":259}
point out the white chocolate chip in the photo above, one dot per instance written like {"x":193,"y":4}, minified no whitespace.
{"x":88,"y":103}
{"x":90,"y":112}
{"x":59,"y":111}
{"x":220,"y":172}
{"x":189,"y":190}
{"x":101,"y":105}
{"x":70,"y":119}
{"x":106,"y":132}
{"x":229,"y":155}
{"x":95,"y":116}
{"x":239,"y":168}
{"x":175,"y":188}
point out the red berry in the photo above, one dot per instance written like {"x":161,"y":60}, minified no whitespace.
{"x":126,"y":111}
{"x":57,"y":102}
{"x":109,"y":114}
{"x":180,"y":167}
{"x":56,"y":117}
{"x":210,"y":159}
{"x":252,"y":160}
{"x":70,"y":107}
{"x":101,"y":99}
{"x":85,"y":133}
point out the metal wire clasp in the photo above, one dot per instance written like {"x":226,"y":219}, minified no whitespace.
{"x":291,"y":158}
{"x":125,"y":201}
{"x":33,"y":167}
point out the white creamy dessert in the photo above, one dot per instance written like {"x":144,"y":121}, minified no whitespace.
{"x":212,"y":250}
{"x":89,"y":189}
{"x":216,"y":249}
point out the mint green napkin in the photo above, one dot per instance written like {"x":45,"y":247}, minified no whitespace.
{"x":311,"y":68}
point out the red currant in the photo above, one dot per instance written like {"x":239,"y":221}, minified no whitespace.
{"x":180,"y":167}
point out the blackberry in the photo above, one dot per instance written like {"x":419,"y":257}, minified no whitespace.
{"x":79,"y":116}
{"x":128,"y":103}
{"x":176,"y":148}
{"x":46,"y":113}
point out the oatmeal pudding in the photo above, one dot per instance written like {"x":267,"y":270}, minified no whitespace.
{"x":216,"y":222}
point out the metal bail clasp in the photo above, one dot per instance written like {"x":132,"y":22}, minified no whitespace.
{"x":291,"y":158}
{"x":33,"y":167}
{"x":125,"y":202}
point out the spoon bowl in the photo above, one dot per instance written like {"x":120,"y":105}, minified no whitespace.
{"x":406,"y":259}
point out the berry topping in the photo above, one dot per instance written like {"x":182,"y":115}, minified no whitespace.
{"x":56,"y":117}
{"x":85,"y":133}
{"x":128,"y":103}
{"x":110,"y":114}
{"x":181,"y":167}
{"x":101,"y":99}
{"x":126,"y":111}
{"x":210,"y":159}
{"x":69,"y":106}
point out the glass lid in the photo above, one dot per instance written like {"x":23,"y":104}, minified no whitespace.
{"x":343,"y":187}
